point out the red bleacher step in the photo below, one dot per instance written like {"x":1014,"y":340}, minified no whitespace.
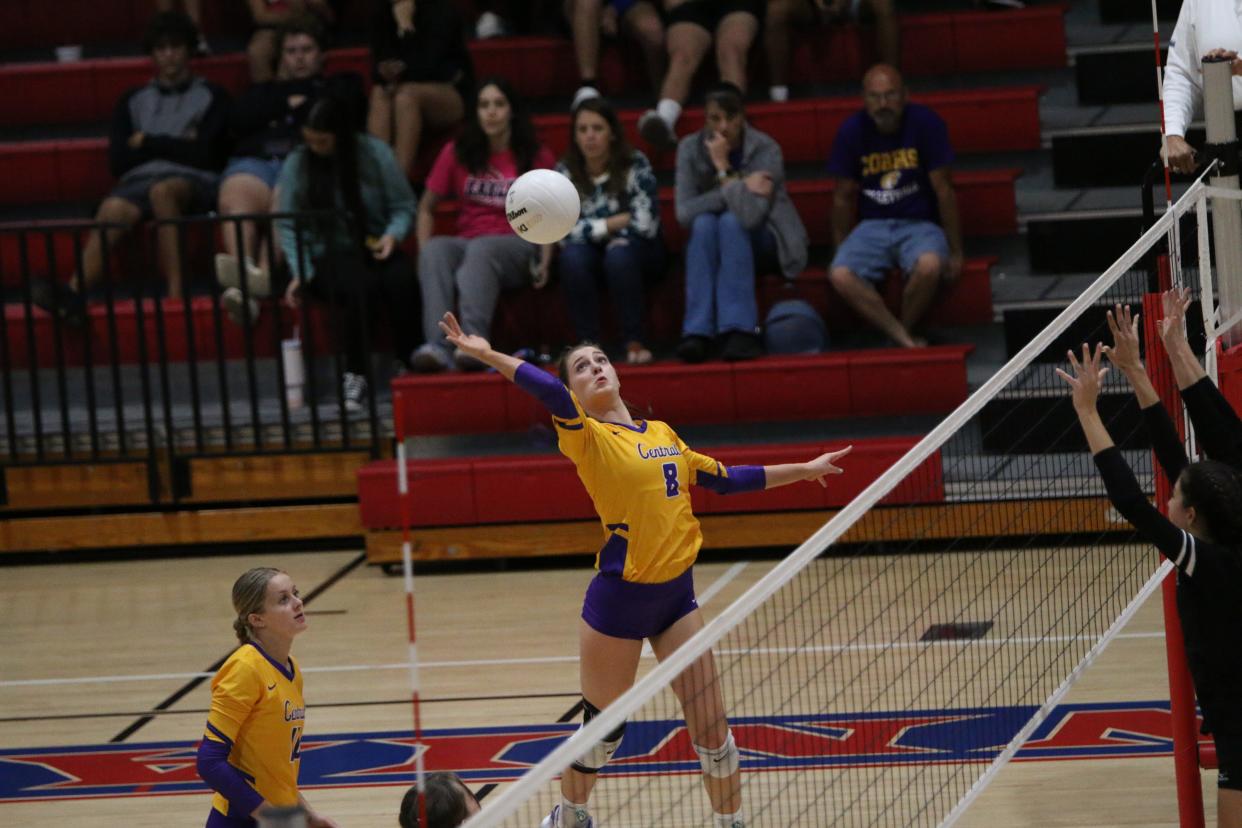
{"x":523,"y":317}
{"x":480,"y":490}
{"x":936,"y":43}
{"x":816,"y":387}
{"x":983,"y":120}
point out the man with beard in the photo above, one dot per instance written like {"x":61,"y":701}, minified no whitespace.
{"x":891,"y":161}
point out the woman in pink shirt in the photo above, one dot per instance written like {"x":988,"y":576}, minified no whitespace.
{"x":469,"y":269}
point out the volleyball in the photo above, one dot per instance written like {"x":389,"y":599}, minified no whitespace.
{"x":542,"y":206}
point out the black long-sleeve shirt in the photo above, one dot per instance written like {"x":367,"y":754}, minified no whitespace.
{"x":1209,"y":578}
{"x":264,"y":125}
{"x":435,"y":52}
{"x":183,"y":127}
{"x":1217,"y":426}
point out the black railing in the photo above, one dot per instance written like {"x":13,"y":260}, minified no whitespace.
{"x":122,"y":370}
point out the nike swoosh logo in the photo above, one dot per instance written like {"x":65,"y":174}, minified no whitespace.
{"x":272,"y":686}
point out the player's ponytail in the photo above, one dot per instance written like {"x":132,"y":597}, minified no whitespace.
{"x":1214,"y":489}
{"x":249,"y":593}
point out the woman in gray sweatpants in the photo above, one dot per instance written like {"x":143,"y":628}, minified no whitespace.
{"x":468,"y":270}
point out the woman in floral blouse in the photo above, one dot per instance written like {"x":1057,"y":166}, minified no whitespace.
{"x":618,"y":236}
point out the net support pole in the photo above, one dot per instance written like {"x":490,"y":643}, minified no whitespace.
{"x":1181,"y":689}
{"x":399,"y":403}
{"x":1222,"y":144}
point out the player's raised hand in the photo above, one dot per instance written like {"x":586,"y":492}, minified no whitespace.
{"x":1173,"y":326}
{"x":1124,"y":352}
{"x":825,"y":464}
{"x":1085,"y":383}
{"x":469,"y":344}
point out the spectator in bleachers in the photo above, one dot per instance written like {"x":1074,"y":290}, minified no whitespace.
{"x":269,"y":16}
{"x":693,"y":27}
{"x":194,"y":9}
{"x":353,"y":259}
{"x":266,"y":125}
{"x":423,"y":74}
{"x":787,"y":16}
{"x":891,"y":161}
{"x":618,"y":237}
{"x":589,"y":19}
{"x":731,"y":194}
{"x":166,"y":146}
{"x":449,"y":802}
{"x":470,"y":268}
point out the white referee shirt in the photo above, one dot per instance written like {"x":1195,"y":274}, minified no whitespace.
{"x":1202,"y":25}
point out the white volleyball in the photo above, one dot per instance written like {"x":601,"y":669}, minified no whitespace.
{"x":542,"y":206}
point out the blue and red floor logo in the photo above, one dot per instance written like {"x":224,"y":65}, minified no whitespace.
{"x":496,"y":754}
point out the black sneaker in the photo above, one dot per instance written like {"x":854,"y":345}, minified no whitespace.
{"x":740,"y":346}
{"x":656,"y":131}
{"x":354,"y":389}
{"x":59,"y":299}
{"x":694,"y":349}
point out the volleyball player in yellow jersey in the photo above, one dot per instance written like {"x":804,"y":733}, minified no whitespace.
{"x":251,"y":750}
{"x":638,"y":475}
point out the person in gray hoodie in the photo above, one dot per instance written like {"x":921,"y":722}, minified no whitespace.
{"x":731,"y":195}
{"x":166,"y":148}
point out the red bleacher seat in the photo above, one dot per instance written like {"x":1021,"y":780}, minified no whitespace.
{"x":41,"y":172}
{"x":481,"y":490}
{"x":817,"y":387}
{"x":936,"y":43}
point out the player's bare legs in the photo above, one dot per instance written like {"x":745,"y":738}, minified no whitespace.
{"x":702,"y":703}
{"x":607,"y":666}
{"x":1228,"y":808}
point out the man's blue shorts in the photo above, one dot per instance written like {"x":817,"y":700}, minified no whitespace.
{"x":876,"y":246}
{"x":624,"y":609}
{"x":266,"y":170}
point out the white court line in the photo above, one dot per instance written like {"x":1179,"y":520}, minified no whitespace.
{"x":501,"y":662}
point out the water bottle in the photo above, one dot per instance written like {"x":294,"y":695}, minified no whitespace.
{"x":295,"y":369}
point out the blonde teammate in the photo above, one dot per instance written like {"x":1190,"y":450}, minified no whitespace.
{"x":252,"y":748}
{"x":638,"y":474}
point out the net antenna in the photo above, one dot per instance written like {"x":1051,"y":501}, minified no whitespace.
{"x":1064,"y":618}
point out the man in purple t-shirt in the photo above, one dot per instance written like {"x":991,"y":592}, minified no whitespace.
{"x":891,"y":161}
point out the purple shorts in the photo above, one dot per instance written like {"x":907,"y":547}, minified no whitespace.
{"x":215,"y":819}
{"x":623,"y":609}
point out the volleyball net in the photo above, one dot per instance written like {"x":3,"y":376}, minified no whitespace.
{"x":884,"y":671}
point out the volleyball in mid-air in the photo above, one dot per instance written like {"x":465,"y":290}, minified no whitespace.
{"x":542,"y":206}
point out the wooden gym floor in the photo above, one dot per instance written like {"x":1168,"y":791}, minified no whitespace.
{"x":499,"y":649}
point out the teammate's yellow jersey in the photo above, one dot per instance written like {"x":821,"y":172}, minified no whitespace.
{"x":257,"y":709}
{"x":639,"y":479}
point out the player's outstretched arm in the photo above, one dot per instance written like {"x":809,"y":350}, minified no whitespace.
{"x":817,"y":470}
{"x":478,"y":347}
{"x":1125,"y":354}
{"x":1186,"y":367}
{"x":1085,"y":385}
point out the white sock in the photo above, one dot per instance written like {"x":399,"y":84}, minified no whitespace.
{"x":573,"y":814}
{"x":669,"y":110}
{"x":730,"y":820}
{"x":780,"y":94}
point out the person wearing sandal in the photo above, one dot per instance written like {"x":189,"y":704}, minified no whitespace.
{"x":617,"y":239}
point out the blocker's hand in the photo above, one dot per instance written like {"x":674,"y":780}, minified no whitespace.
{"x":1085,"y":383}
{"x":825,"y":464}
{"x":469,"y":344}
{"x":1125,"y":350}
{"x":1173,"y":326}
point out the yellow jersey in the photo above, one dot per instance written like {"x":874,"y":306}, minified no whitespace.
{"x":258,"y":711}
{"x":639,"y":479}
